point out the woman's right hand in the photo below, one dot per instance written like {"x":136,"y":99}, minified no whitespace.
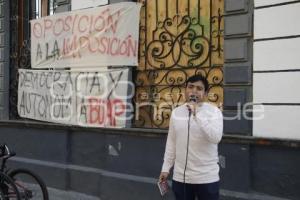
{"x":163,"y":176}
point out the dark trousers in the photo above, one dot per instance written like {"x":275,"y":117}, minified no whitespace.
{"x":209,"y":191}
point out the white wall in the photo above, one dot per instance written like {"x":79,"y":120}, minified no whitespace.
{"x":276,"y":66}
{"x":278,"y":122}
{"x":276,"y":87}
{"x":277,"y":21}
{"x":277,"y":54}
{"x":259,"y":3}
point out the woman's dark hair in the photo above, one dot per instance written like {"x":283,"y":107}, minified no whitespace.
{"x":196,"y":78}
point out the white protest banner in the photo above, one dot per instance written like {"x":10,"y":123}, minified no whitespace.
{"x":98,"y":99}
{"x":101,"y":36}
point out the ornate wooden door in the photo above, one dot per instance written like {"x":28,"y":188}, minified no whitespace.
{"x":178,"y":38}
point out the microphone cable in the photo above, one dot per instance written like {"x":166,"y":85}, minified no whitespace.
{"x":187,"y":153}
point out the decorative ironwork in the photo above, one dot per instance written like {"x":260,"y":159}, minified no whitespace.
{"x":20,"y":55}
{"x":24,"y":55}
{"x":217,"y":32}
{"x":13,"y":86}
{"x":188,"y":37}
{"x":181,"y":44}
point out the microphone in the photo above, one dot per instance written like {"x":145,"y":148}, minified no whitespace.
{"x":193,"y":98}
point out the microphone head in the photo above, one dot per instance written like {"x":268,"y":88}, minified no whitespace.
{"x":193,"y":98}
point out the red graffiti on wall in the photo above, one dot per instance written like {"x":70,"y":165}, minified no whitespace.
{"x":104,"y":112}
{"x":106,"y":20}
{"x":112,"y":46}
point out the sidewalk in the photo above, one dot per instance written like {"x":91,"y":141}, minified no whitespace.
{"x":55,"y":194}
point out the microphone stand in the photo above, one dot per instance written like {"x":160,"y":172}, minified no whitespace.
{"x":187,"y":153}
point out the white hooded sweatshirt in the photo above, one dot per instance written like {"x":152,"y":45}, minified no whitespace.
{"x":206,"y":129}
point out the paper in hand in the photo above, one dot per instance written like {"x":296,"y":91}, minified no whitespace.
{"x":163,"y":187}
